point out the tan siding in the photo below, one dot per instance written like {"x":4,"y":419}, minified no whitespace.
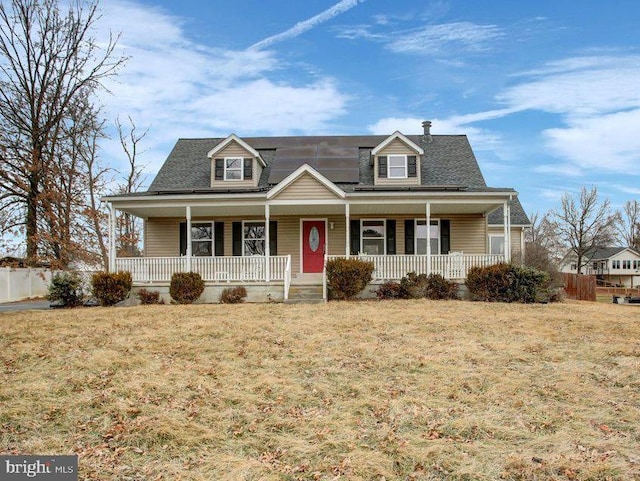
{"x":468,"y":234}
{"x":516,"y":240}
{"x":306,"y":187}
{"x":397,"y":146}
{"x":235,"y":150}
{"x":289,"y":240}
{"x":162,"y":237}
{"x":337,"y":236}
{"x":400,"y":148}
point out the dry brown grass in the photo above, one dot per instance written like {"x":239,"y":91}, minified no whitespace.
{"x":411,"y":390}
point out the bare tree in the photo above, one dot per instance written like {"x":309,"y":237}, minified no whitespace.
{"x":584,"y":224}
{"x":128,"y":226}
{"x":628,"y":225}
{"x":48,"y":57}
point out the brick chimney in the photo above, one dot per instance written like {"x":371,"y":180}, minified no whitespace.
{"x":426,"y":137}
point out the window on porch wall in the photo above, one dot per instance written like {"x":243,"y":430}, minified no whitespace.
{"x":373,"y":237}
{"x":202,"y":239}
{"x":253,"y":239}
{"x":422,"y":234}
{"x":496,"y":244}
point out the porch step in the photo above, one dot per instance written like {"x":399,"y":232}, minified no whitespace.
{"x":305,"y":294}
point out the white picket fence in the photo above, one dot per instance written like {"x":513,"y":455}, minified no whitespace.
{"x":17,"y":284}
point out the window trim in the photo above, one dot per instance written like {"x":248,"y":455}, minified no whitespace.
{"x":239,"y":169}
{"x":263,"y":239}
{"x":438,"y":238}
{"x":405,"y":166}
{"x":384,"y":235}
{"x":211,"y":240}
{"x":496,"y":236}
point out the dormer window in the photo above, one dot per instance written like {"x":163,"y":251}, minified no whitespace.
{"x":397,"y":166}
{"x":233,"y":168}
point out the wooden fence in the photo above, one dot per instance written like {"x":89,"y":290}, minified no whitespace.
{"x":582,"y":288}
{"x":619,"y":291}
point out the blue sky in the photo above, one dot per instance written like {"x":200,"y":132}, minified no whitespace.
{"x":548,"y":91}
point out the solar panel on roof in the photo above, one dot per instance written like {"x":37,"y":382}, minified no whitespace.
{"x":335,"y":162}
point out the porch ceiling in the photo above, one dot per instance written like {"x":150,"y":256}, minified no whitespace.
{"x":255,"y":208}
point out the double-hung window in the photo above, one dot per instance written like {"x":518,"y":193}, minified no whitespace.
{"x":615,"y":264}
{"x":626,"y":264}
{"x":373,"y":235}
{"x":496,"y":244}
{"x":432,"y":234}
{"x":202,"y":239}
{"x":253,"y":239}
{"x":397,"y":166}
{"x":233,"y":168}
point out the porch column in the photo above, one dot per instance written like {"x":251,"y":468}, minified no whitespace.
{"x":428,"y":208}
{"x":267,"y":245}
{"x":347,"y":230}
{"x":189,"y":253}
{"x":112,"y":238}
{"x":505,"y":222}
{"x":508,"y":246}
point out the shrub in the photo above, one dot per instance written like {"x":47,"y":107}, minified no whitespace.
{"x":346,"y":278}
{"x":186,"y":287}
{"x":414,"y":285}
{"x":506,"y":283}
{"x":390,"y":290}
{"x":109,"y":288}
{"x":149,"y":297}
{"x":66,"y":290}
{"x":440,"y":288}
{"x":233,"y":295}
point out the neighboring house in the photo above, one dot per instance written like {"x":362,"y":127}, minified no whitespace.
{"x":612,"y":266}
{"x":406,"y":202}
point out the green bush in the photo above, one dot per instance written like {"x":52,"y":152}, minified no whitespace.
{"x":109,"y":288}
{"x":186,"y":287}
{"x":149,"y":297}
{"x":346,"y":278}
{"x":506,"y":283}
{"x":65,"y":290}
{"x":233,"y":295}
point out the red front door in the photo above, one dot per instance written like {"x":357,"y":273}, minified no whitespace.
{"x":313,"y":245}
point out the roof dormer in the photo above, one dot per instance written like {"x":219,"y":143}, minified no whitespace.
{"x":396,"y":161}
{"x":234,"y":163}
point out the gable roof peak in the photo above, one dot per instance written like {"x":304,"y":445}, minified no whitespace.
{"x":299,"y":172}
{"x":242,"y":143}
{"x":403,"y":138}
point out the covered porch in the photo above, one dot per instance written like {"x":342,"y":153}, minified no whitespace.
{"x":263,"y":239}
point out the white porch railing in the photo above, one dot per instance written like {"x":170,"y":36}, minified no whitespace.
{"x":450,"y":266}
{"x":212,"y":269}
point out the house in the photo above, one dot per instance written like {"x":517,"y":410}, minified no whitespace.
{"x":269,"y":211}
{"x":612,"y":266}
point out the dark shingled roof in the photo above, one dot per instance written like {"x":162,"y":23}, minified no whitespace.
{"x":518,"y":215}
{"x":448,"y":161}
{"x":606,"y":252}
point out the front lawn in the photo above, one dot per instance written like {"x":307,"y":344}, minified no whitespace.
{"x":411,"y":390}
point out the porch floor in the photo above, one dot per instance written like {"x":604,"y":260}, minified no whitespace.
{"x":306,"y":279}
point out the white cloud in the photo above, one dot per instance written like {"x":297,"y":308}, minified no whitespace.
{"x":301,"y":27}
{"x":601,"y":143}
{"x":446,"y":38}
